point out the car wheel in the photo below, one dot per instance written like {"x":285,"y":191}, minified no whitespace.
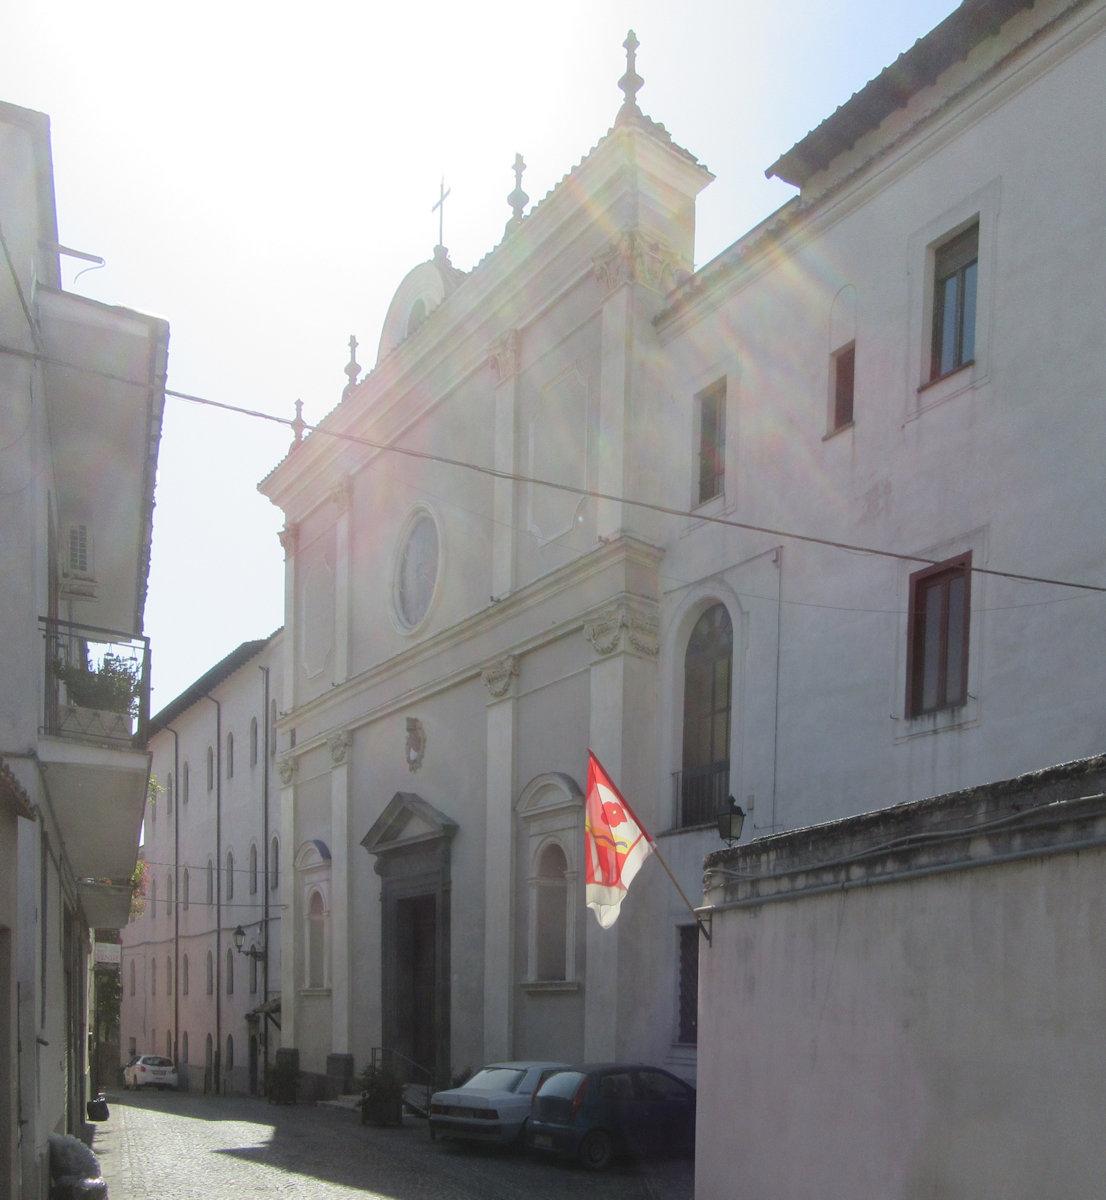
{"x":596,"y":1150}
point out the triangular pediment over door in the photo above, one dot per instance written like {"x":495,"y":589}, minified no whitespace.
{"x":411,"y":842}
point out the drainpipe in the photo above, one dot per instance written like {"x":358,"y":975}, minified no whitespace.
{"x":265,"y":873}
{"x":176,"y":896}
{"x":216,"y":1073}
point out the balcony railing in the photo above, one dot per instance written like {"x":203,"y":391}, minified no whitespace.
{"x":701,"y":793}
{"x":97,"y":683}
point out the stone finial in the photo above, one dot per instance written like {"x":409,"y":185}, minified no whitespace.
{"x":353,"y":367}
{"x":630,"y":83}
{"x":298,"y":424}
{"x":518,"y":199}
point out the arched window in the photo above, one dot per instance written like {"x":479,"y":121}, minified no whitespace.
{"x":316,"y":941}
{"x":210,"y":882}
{"x":230,"y":875}
{"x":184,"y":784}
{"x":230,"y":755}
{"x":210,"y":769}
{"x":153,"y":899}
{"x":210,"y":973}
{"x":274,"y":865}
{"x":708,"y":681}
{"x":549,"y":817}
{"x":169,"y":895}
{"x":253,"y":868}
{"x":551,"y":897}
{"x":184,"y":890}
{"x":253,"y":741}
{"x":230,"y":971}
{"x":153,"y":976}
{"x":253,"y":974}
{"x":169,"y":976}
{"x":169,"y":794}
{"x":229,"y":1064}
{"x":184,"y":976}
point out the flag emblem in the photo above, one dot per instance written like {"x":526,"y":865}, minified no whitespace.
{"x":615,"y":845}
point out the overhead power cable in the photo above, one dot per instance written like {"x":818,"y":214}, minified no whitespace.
{"x":298,"y":426}
{"x":301,"y":426}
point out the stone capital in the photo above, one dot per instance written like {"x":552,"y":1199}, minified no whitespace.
{"x":339,"y":744}
{"x":500,"y":676}
{"x":503,"y":356}
{"x":625,"y":627}
{"x":631,"y":258}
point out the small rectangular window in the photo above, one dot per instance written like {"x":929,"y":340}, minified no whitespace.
{"x":80,"y":550}
{"x":955,"y":277}
{"x":687,"y":1032}
{"x":937,"y":635}
{"x":844,"y":373}
{"x":712,"y":441}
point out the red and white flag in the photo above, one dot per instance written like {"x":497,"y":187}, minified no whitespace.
{"x":615,"y":845}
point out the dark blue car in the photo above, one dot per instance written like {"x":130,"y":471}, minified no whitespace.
{"x":602,"y":1110}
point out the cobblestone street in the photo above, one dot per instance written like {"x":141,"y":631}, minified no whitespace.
{"x":180,"y":1146}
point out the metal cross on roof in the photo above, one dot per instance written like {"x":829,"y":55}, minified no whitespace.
{"x":440,"y":206}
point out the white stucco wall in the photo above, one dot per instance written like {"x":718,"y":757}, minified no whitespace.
{"x":930,"y":1038}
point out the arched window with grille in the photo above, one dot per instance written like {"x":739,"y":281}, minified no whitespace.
{"x":708,"y":700}
{"x":230,"y":875}
{"x":316,"y":941}
{"x":551,"y":899}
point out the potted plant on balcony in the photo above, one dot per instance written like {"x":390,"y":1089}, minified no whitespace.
{"x":381,"y":1096}
{"x":112,"y":687}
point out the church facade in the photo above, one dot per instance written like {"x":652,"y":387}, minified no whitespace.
{"x":816,"y":527}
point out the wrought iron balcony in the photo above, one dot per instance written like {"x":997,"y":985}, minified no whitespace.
{"x":97,"y":684}
{"x":701,"y":793}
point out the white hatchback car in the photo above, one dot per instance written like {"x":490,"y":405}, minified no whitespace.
{"x":150,"y":1070}
{"x":493,"y":1106}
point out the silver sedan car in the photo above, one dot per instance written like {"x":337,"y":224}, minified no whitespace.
{"x":493,"y":1106}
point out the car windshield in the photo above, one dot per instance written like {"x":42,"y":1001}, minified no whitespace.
{"x":496,"y":1079}
{"x":157,"y":1062}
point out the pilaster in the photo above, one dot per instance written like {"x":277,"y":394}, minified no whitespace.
{"x":500,"y":679}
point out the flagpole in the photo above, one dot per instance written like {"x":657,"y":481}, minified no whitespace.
{"x":676,"y":884}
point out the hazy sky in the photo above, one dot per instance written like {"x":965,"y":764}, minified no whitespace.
{"x":263,"y":176}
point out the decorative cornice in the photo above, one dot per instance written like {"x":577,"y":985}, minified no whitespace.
{"x":499,"y":677}
{"x":287,"y":768}
{"x":625,"y":627}
{"x":503,"y":357}
{"x":339,"y":744}
{"x":630,"y":258}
